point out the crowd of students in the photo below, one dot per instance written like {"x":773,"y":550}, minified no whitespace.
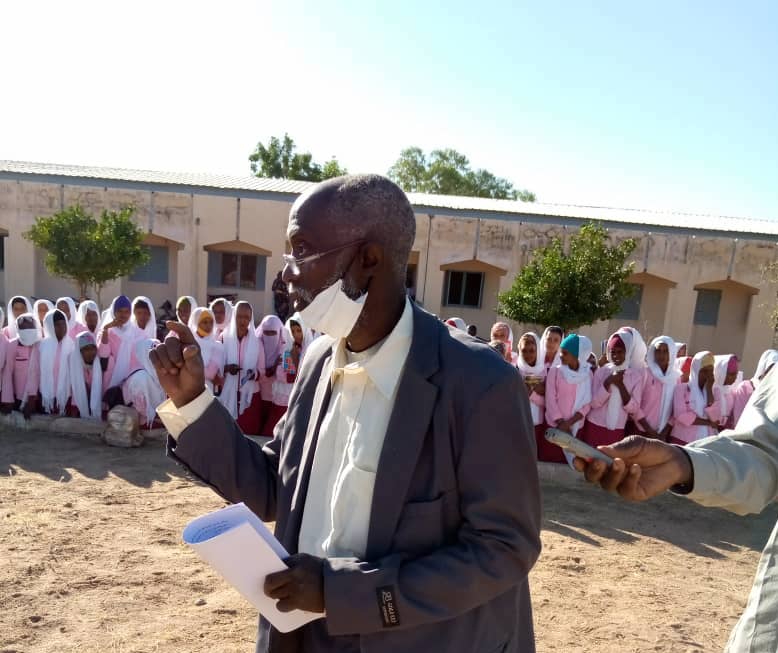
{"x":78,"y":361}
{"x":656,"y":390}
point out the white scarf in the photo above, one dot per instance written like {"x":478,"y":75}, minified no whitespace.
{"x":49,"y":307}
{"x":128,"y":334}
{"x":192,"y":304}
{"x":83,"y":308}
{"x":725,"y":391}
{"x":150,"y":330}
{"x":637,"y":361}
{"x":48,"y":357}
{"x":582,"y":378}
{"x":669,"y":379}
{"x":557,"y":360}
{"x":615,"y":403}
{"x":239,"y":383}
{"x":145,"y":381}
{"x":13,"y":330}
{"x":71,"y":309}
{"x":698,"y":398}
{"x":208,"y":344}
{"x":90,"y":406}
{"x":218,"y":329}
{"x":538,"y":370}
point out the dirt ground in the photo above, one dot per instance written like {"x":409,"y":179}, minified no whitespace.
{"x":91,"y":561}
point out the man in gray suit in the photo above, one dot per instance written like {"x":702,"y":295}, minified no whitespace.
{"x":403,"y":479}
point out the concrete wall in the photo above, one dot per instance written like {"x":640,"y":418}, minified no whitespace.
{"x":670,"y":266}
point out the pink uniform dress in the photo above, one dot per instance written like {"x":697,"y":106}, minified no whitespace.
{"x":684,"y":414}
{"x":740,"y":397}
{"x":560,"y":400}
{"x":651,"y":401}
{"x":270,"y":353}
{"x":547,"y":452}
{"x":602,"y":427}
{"x":112,"y":351}
{"x":21,"y":376}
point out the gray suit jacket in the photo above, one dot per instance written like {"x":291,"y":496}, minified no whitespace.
{"x":455,"y":518}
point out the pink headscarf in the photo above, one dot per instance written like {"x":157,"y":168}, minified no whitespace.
{"x":273,"y":346}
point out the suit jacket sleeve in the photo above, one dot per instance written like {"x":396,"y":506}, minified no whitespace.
{"x":497,"y":543}
{"x":215,"y":450}
{"x":738,"y":470}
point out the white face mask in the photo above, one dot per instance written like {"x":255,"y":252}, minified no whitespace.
{"x":333,"y":312}
{"x":28,"y":337}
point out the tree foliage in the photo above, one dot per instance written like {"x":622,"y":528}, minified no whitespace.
{"x":89,"y":251}
{"x":448,"y":172}
{"x":280,"y":159}
{"x":574,"y":288}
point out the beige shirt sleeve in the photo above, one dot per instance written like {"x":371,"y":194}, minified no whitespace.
{"x":176,"y":420}
{"x":738,"y":470}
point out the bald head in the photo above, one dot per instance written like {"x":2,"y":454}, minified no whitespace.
{"x":359,"y":207}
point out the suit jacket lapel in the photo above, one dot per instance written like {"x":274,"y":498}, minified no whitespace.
{"x":408,"y":426}
{"x":321,"y":400}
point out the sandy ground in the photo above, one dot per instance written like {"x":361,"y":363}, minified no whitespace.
{"x":91,"y":560}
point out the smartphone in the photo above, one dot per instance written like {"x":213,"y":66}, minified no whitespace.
{"x":576,"y":447}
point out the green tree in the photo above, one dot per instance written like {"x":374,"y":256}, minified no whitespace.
{"x":574,"y":288}
{"x":88,"y":251}
{"x":448,"y":172}
{"x":279,"y":159}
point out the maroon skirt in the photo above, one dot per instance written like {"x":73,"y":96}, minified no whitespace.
{"x":547,"y":452}
{"x":597,"y":436}
{"x":250,"y":419}
{"x":274,"y":416}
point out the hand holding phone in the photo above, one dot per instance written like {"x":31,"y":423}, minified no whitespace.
{"x":576,"y":447}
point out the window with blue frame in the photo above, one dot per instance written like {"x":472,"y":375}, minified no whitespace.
{"x":630,"y":306}
{"x":238,"y":271}
{"x":157,"y":270}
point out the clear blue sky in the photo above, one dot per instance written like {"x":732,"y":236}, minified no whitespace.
{"x":662,"y":105}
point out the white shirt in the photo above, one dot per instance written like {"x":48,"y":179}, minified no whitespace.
{"x":336,"y":518}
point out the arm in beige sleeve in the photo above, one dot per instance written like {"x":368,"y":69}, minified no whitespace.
{"x":738,"y":470}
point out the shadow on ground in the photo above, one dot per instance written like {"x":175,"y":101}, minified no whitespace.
{"x":576,"y":511}
{"x":55,"y":456}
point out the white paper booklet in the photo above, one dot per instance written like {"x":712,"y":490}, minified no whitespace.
{"x":236,"y":543}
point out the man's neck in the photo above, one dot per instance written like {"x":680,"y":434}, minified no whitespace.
{"x":377,"y":326}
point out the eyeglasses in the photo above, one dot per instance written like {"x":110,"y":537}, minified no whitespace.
{"x":295,"y":263}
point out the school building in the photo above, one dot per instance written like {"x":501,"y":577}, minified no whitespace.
{"x":699,"y":277}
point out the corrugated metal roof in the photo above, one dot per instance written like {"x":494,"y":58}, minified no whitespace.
{"x":475,"y":207}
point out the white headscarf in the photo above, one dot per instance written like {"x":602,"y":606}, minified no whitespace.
{"x":698,"y":398}
{"x":581,"y":378}
{"x":615,"y":403}
{"x":218,"y":329}
{"x":71,"y":308}
{"x":49,"y":307}
{"x":538,"y":370}
{"x":90,"y":406}
{"x":83,"y":308}
{"x":272,"y":346}
{"x":637,"y":359}
{"x":12,"y":328}
{"x":543,"y":350}
{"x":457,"y":323}
{"x":192,"y":302}
{"x":145,"y":381}
{"x":208,"y":344}
{"x":289,"y":338}
{"x":719,"y":376}
{"x":669,"y":379}
{"x":766,"y":360}
{"x":129,"y":334}
{"x":234,"y":383}
{"x":48,"y":355}
{"x":150,"y":330}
